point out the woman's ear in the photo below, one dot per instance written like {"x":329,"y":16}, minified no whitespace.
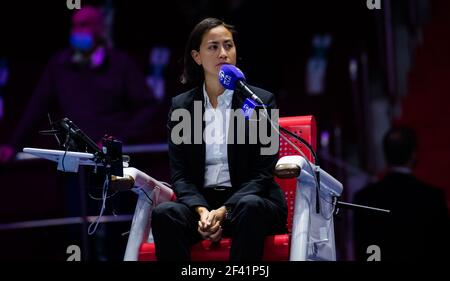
{"x":196,"y":56}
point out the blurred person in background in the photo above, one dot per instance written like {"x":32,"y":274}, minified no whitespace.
{"x":96,"y":86}
{"x":417,"y":226}
{"x":102,"y":91}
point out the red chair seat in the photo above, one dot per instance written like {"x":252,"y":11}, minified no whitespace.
{"x":276,"y":248}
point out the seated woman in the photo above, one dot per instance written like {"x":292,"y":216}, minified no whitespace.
{"x":222,"y":187}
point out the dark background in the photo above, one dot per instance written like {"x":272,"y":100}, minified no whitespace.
{"x":274,"y":45}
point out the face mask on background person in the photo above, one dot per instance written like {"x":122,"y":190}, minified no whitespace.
{"x":82,"y":41}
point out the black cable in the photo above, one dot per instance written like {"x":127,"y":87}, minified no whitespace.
{"x":93,"y":187}
{"x":316,"y":162}
{"x":65,"y":152}
{"x":316,"y":159}
{"x":149,"y":199}
{"x":304,"y":142}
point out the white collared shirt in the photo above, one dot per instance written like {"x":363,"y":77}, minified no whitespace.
{"x":215,"y":135}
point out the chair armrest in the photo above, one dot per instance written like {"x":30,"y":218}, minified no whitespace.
{"x":288,"y":167}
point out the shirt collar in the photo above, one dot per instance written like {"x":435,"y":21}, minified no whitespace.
{"x":225,"y":98}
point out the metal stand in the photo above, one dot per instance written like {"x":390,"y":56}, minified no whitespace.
{"x":85,"y":252}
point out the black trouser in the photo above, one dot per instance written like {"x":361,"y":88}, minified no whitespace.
{"x":174,"y":227}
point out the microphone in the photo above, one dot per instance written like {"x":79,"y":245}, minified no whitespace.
{"x":233,"y":78}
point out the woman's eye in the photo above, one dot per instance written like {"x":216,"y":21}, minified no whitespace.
{"x":212,"y":47}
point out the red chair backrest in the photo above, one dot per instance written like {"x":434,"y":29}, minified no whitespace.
{"x":304,"y":127}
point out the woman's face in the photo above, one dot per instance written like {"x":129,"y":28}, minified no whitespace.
{"x":217,"y":48}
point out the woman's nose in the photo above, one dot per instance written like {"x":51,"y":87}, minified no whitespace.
{"x":223,"y":53}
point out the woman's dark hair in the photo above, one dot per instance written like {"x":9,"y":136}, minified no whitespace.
{"x":192,"y":72}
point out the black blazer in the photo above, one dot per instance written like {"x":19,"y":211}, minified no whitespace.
{"x":250,"y":172}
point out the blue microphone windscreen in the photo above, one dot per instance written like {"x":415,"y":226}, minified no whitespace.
{"x":229,"y":75}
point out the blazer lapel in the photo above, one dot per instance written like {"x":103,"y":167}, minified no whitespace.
{"x":232,"y":151}
{"x":199,"y":150}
